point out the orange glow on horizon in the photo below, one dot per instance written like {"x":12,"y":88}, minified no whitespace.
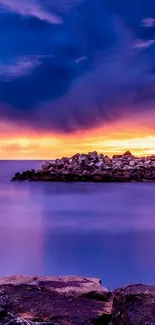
{"x":135,"y":136}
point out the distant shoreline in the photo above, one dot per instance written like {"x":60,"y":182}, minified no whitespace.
{"x":93,"y":167}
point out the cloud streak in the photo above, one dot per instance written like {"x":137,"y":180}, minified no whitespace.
{"x":21,"y":66}
{"x":30,"y":8}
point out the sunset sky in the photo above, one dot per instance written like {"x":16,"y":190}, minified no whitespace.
{"x":76,"y":76}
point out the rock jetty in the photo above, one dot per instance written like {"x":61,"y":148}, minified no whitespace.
{"x":94,"y":167}
{"x":73,"y":301}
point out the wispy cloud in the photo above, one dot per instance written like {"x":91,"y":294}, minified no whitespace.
{"x":30,"y":8}
{"x":148,"y":22}
{"x":102,"y":63}
{"x":21,"y":66}
{"x":80,"y":59}
{"x":143,"y":43}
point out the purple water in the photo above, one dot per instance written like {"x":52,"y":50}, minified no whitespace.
{"x":99,"y":230}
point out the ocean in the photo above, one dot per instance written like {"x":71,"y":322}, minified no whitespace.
{"x":97,"y":230}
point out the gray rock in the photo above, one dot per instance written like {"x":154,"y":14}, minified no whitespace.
{"x":107,"y":167}
{"x":132,"y":163}
{"x":54,"y":301}
{"x":100,"y":164}
{"x":118,"y":165}
{"x":70,"y":168}
{"x":46,"y":166}
{"x":100,"y":156}
{"x":127,"y":167}
{"x":127,"y":153}
{"x":91,"y":164}
{"x":86,"y":173}
{"x":134,"y":305}
{"x":51,"y":169}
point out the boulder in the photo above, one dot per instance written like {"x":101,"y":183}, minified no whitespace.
{"x":18,"y":177}
{"x":107,"y":160}
{"x":76,"y":156}
{"x":149,"y":174}
{"x":127,"y":153}
{"x":51,"y":169}
{"x":91,"y":164}
{"x":118,"y":164}
{"x":140,"y":164}
{"x":97,"y":178}
{"x":54,"y":301}
{"x":86,"y":173}
{"x":64,"y":160}
{"x":132,"y":163}
{"x":83,"y":160}
{"x":107,"y":167}
{"x":100,"y":156}
{"x":117,"y":156}
{"x":70,"y":168}
{"x":94,"y":153}
{"x":57,"y":161}
{"x":46,"y":166}
{"x":134,"y":305}
{"x":65,"y":172}
{"x":147,"y":163}
{"x":100,"y":164}
{"x":94,"y":156}
{"x":127,"y":167}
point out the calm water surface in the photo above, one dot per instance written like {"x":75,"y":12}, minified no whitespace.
{"x":100,"y":230}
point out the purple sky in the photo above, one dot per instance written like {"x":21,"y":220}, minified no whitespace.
{"x":67,"y":65}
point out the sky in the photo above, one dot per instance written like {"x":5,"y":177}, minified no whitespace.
{"x":76,"y":76}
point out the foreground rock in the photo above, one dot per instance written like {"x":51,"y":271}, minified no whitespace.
{"x":54,"y":301}
{"x":73,"y":301}
{"x":134,"y":305}
{"x":94,"y":167}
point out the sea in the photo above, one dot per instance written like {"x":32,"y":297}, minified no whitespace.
{"x":87,"y":229}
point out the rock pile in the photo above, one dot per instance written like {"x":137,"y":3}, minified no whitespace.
{"x":73,"y":301}
{"x":94,"y":167}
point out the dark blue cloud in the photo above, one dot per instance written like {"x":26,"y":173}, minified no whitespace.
{"x":74,"y":64}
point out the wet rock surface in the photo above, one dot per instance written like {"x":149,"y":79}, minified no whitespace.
{"x":93,"y":167}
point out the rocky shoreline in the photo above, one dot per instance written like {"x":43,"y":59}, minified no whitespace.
{"x":28,"y":300}
{"x":93,"y":167}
